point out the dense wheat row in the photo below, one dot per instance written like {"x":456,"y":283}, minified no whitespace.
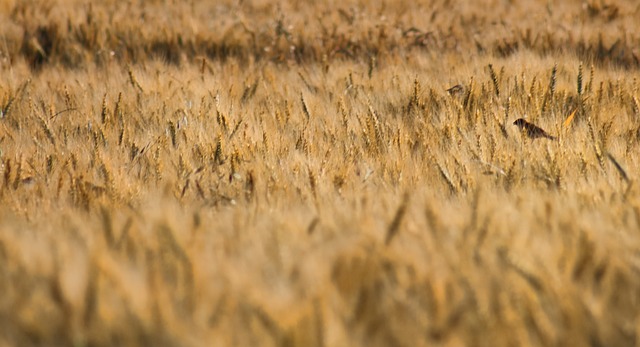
{"x":239,"y":179}
{"x":73,"y":33}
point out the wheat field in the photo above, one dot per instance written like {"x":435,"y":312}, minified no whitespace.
{"x":249,"y":173}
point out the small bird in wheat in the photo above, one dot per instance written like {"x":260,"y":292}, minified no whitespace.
{"x":457,"y":90}
{"x":531,"y":130}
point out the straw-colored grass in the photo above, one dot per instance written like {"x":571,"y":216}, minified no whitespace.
{"x":259,"y":174}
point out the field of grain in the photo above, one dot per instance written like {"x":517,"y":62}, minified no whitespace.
{"x":255,"y":173}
